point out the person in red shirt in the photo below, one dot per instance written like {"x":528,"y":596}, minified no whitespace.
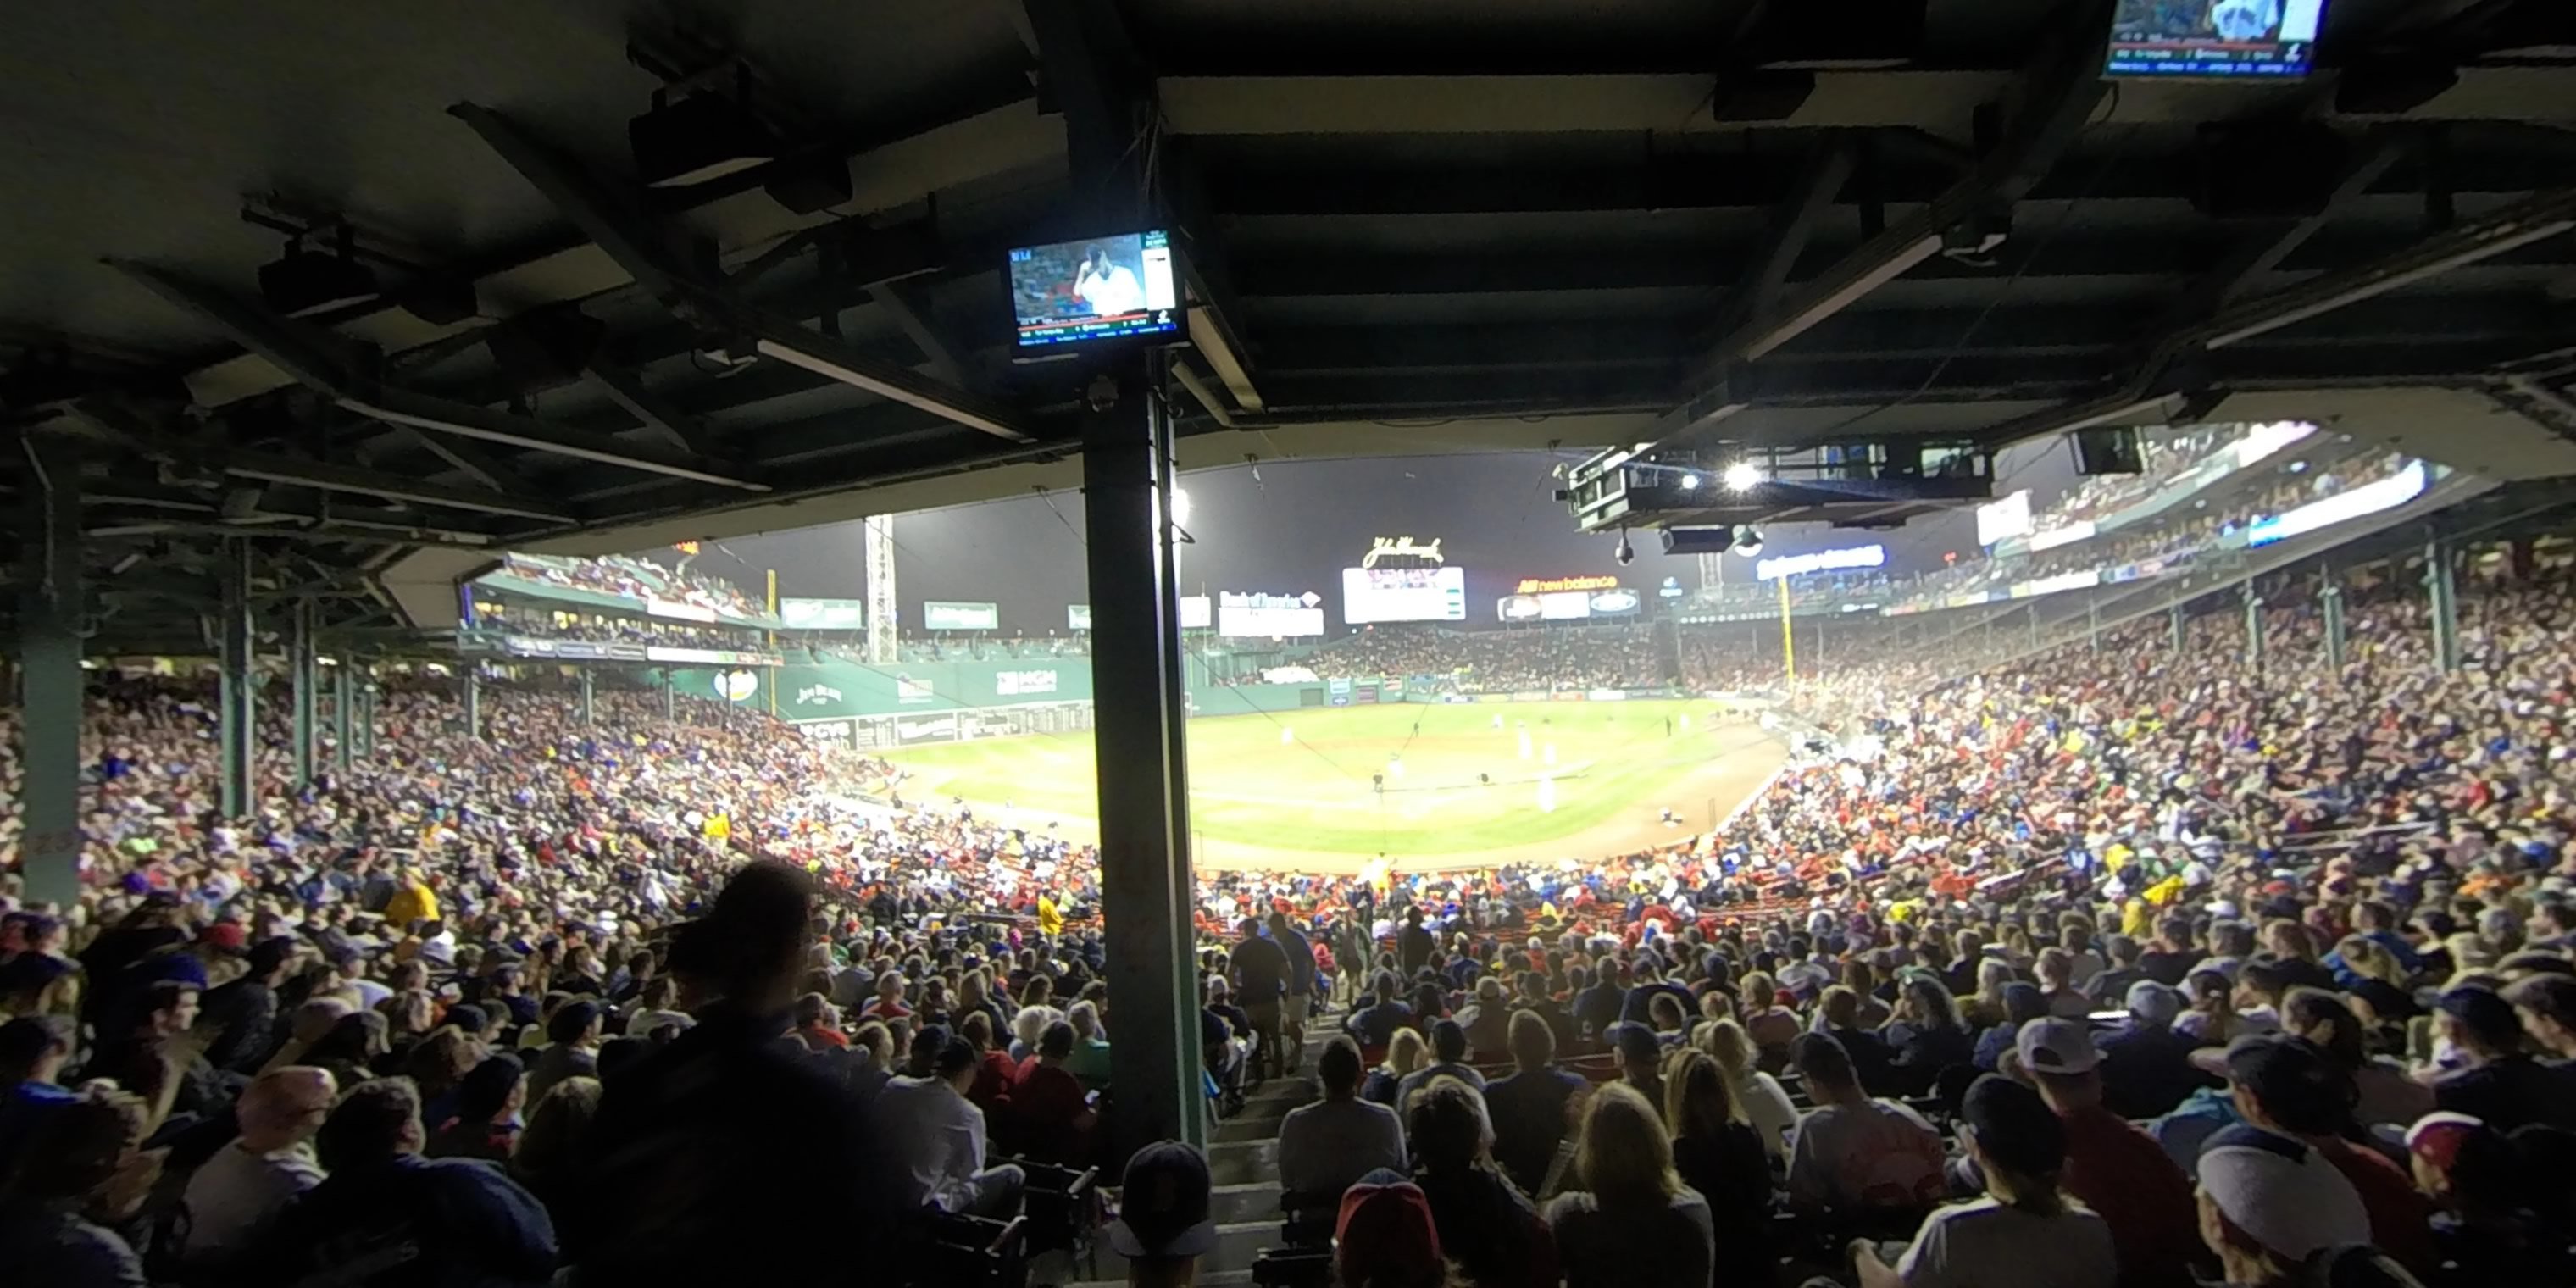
{"x":992,"y":1081}
{"x":2291,"y":1087}
{"x":1047,"y":1107}
{"x":2111,"y":1166}
{"x":818,"y":1024}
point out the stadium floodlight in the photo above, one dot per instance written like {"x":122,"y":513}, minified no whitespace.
{"x":1744,"y":476}
{"x":1690,"y":482}
{"x":1181,"y":506}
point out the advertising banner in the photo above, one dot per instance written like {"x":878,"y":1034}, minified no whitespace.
{"x":1615,"y":603}
{"x":1077,"y":617}
{"x":940,"y":615}
{"x":1196,"y":614}
{"x":823,"y":614}
{"x":942,"y":727}
{"x":573,"y":650}
{"x":1255,"y":614}
{"x":1027,"y":683}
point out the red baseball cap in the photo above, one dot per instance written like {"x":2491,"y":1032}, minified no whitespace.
{"x":1386,"y":1234}
{"x":226,"y":935}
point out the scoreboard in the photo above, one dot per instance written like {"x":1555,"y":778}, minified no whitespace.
{"x":1403,"y":595}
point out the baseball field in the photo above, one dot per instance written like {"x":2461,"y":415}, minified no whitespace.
{"x":1331,"y":789}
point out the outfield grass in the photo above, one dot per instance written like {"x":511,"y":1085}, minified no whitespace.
{"x":1313,"y":792}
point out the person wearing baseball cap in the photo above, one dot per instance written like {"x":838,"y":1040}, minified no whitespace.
{"x":2024,"y":1232}
{"x":1163,"y":1224}
{"x":1387,"y":1239}
{"x":2146,"y":1064}
{"x":2268,"y":1203}
{"x":2293,"y":1087}
{"x":2112,"y":1166}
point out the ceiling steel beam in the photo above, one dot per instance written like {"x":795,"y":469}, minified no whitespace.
{"x":909,"y":306}
{"x":2065,"y":88}
{"x":659,"y":259}
{"x":304,"y":353}
{"x":1793,"y":221}
{"x":652,"y":410}
{"x":465,"y":458}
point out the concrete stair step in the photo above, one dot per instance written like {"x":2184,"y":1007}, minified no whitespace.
{"x":1248,"y":1162}
{"x":1251,"y":1201}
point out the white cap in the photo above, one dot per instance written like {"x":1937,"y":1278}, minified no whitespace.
{"x":2286,"y":1196}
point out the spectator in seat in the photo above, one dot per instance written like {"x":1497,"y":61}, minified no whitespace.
{"x":2385,"y":1095}
{"x":2291,"y":1087}
{"x":2021,"y":1004}
{"x":1488,"y":1022}
{"x":1407,"y":1053}
{"x":1529,"y":1108}
{"x":573,"y":1033}
{"x":1090,"y":1059}
{"x":994,"y":1068}
{"x":2056,"y":971}
{"x":1851,"y":1151}
{"x":243,"y":1013}
{"x":79,"y":1156}
{"x":938,"y":1135}
{"x":2123,"y":973}
{"x":717,"y":1132}
{"x":2113,"y":1167}
{"x":1449,"y":1060}
{"x":2173,"y":954}
{"x":1933,"y":1038}
{"x":2213,"y":1019}
{"x":1493,"y":1233}
{"x":1716,"y":1153}
{"x":1839,"y":1015}
{"x":2498,"y":1083}
{"x":1766,"y":1103}
{"x":2146,"y":1065}
{"x":1326,"y":1147}
{"x":548,"y":1158}
{"x":233,"y":1196}
{"x":483,"y":1116}
{"x":2490,"y":1224}
{"x":1048,"y":1103}
{"x":1632,"y":1223}
{"x":1164,"y":1225}
{"x":2269,"y":1204}
{"x":159,"y":1061}
{"x":1386,"y":1238}
{"x":1376,"y":1024}
{"x":453,"y":1220}
{"x":1641,"y":1061}
{"x":33,"y":1051}
{"x":2023,"y":1232}
{"x":1772,"y":1026}
{"x":2546,"y":1005}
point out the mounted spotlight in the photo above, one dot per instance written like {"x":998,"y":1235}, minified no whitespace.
{"x":1748,"y":540}
{"x":1626,"y":554}
{"x":1744,"y":476}
{"x":303,"y":282}
{"x":702,"y":137}
{"x":1690,"y":482}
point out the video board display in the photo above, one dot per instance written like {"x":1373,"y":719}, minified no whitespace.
{"x":1101,"y":288}
{"x":1403,"y":595}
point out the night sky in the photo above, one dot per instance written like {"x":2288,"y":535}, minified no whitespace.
{"x":1294,"y":529}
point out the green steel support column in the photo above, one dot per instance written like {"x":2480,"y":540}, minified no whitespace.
{"x":1193,"y":1125}
{"x":343,"y":726}
{"x":474,"y":702}
{"x":2442,"y":582}
{"x":303,"y":674}
{"x":1143,"y":821}
{"x":2174,"y":624}
{"x":2331,"y":599}
{"x":49,"y":671}
{"x":670,"y":699}
{"x":589,"y":710}
{"x":2253,"y":628}
{"x":2093,"y":625}
{"x":237,"y":700}
{"x":369,"y":695}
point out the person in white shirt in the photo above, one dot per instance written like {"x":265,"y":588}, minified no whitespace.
{"x":233,"y":1197}
{"x":938,"y":1135}
{"x":1110,"y":288}
{"x":2025,"y":1233}
{"x":1326,"y":1147}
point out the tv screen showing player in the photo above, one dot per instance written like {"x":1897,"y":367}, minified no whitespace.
{"x":2219,"y":39}
{"x":1099,"y":288}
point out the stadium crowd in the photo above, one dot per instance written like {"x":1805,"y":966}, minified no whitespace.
{"x":2161,"y":961}
{"x":1619,"y":655}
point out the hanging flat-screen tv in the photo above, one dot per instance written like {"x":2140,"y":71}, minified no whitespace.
{"x":2215,"y":39}
{"x":1095,"y":289}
